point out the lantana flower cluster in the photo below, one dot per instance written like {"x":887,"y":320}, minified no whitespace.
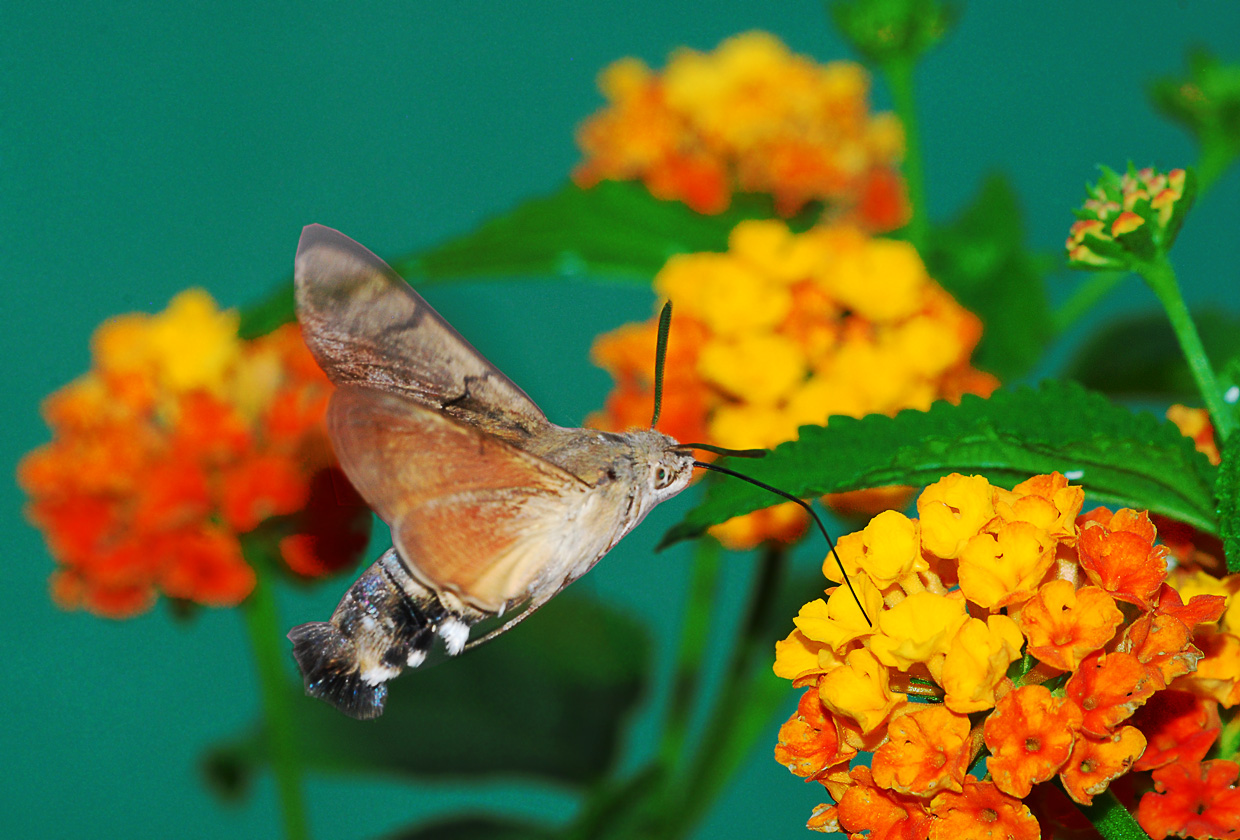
{"x":749,"y":117}
{"x":785,"y":330}
{"x":1049,"y":643}
{"x":1130,"y":218}
{"x":181,"y":438}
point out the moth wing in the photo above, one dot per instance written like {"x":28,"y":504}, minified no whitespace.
{"x":470,"y":514}
{"x":367,"y":326}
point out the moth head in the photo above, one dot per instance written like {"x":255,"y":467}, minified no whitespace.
{"x":660,"y":467}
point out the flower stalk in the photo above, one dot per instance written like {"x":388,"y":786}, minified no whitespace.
{"x":1160,"y":276}
{"x":898,"y":71}
{"x":266,"y":640}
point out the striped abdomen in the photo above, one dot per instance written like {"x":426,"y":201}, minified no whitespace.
{"x":384,"y":623}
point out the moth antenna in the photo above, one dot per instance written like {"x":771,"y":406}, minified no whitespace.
{"x":808,"y":509}
{"x":660,"y":357}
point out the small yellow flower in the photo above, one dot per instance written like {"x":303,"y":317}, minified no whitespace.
{"x":838,"y":620}
{"x":917,"y":629}
{"x":860,"y":690}
{"x":725,"y":294}
{"x":952,"y":511}
{"x":977,"y":660}
{"x":763,"y":368}
{"x":799,"y":655}
{"x":887,"y":549}
{"x":997,"y":570}
{"x":880,"y":279}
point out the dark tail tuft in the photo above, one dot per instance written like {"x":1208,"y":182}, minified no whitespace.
{"x":329,"y":664}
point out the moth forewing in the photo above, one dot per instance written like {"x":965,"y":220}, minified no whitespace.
{"x":492,"y":507}
{"x":365,"y":325}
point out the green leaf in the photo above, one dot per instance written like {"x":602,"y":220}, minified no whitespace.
{"x":1227,"y":492}
{"x":1123,"y":458}
{"x":616,"y":229}
{"x":1139,"y":356}
{"x":476,"y":828}
{"x":547,"y":699}
{"x":981,"y":259}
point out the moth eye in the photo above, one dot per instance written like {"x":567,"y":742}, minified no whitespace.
{"x":662,"y":477}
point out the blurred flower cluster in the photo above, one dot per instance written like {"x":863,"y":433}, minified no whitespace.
{"x":788,"y":329}
{"x":751,"y":116}
{"x":181,"y":438}
{"x":1055,"y":644}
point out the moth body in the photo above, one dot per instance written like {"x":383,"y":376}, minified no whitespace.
{"x":493,"y":508}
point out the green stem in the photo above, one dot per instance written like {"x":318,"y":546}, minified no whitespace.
{"x":899,"y":74}
{"x":1112,"y":820}
{"x":1161,"y":278}
{"x":1217,"y":156}
{"x":749,"y":695}
{"x":1228,"y":744}
{"x":270,"y":656}
{"x":693,"y":639}
{"x":1086,"y":295}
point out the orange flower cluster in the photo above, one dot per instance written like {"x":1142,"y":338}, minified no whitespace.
{"x":1053,"y":643}
{"x":181,"y":438}
{"x":752,"y":117}
{"x":786,"y":330}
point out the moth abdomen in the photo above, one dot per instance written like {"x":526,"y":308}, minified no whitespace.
{"x":329,"y":664}
{"x":385,"y":623}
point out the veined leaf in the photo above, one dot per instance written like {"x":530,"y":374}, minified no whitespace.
{"x":1120,"y":457}
{"x":1227,"y":492}
{"x":546,"y":700}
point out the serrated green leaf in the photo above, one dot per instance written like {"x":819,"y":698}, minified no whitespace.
{"x":547,"y":699}
{"x":615,"y":229}
{"x":1139,"y":356}
{"x":1227,"y":493}
{"x":1120,"y":457}
{"x":981,"y":260}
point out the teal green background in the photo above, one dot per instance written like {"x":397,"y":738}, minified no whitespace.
{"x":147,"y":147}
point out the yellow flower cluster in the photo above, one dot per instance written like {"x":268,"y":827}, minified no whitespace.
{"x":786,"y":330}
{"x":754,"y":117}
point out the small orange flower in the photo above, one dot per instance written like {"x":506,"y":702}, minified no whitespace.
{"x":867,"y":810}
{"x":1064,"y":624}
{"x":1193,"y":800}
{"x":1195,"y":423}
{"x":1108,"y":688}
{"x":1178,"y":726}
{"x":1096,"y":762}
{"x":1118,"y":553}
{"x":928,"y":750}
{"x":1162,"y":644}
{"x":809,"y":741}
{"x":1030,"y":736}
{"x":982,"y":811}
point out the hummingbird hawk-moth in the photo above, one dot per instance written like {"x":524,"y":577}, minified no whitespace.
{"x":493,"y":509}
